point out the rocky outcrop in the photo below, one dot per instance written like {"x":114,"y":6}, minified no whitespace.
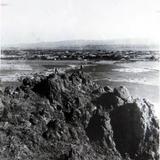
{"x":136,"y":130}
{"x":69,"y":117}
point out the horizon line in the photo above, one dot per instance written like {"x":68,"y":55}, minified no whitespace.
{"x":129,"y":40}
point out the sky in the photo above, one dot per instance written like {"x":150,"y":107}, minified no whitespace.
{"x":31,"y":21}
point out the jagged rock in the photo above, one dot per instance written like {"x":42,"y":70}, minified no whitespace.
{"x":108,"y":89}
{"x":103,"y":136}
{"x":9,"y":90}
{"x":109,"y":101}
{"x":98,"y":91}
{"x":67,"y":116}
{"x":136,"y":130}
{"x":1,"y":108}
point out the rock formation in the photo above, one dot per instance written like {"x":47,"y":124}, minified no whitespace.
{"x":69,"y":117}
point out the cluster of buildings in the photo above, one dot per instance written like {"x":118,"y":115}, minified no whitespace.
{"x":50,"y":54}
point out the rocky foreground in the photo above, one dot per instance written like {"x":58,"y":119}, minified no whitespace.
{"x":69,"y":117}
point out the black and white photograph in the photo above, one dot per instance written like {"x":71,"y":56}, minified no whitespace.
{"x":79,"y":79}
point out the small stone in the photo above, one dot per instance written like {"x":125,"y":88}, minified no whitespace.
{"x":108,"y":89}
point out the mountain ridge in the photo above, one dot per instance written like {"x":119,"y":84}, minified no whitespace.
{"x":88,"y":44}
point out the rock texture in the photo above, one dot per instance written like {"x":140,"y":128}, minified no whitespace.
{"x":68,"y":117}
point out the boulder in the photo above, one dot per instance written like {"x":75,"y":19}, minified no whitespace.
{"x":109,"y":100}
{"x":123,"y":93}
{"x":136,"y":130}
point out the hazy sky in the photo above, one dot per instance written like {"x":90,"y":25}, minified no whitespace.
{"x":27,"y":21}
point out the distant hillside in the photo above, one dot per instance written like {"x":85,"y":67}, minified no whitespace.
{"x":90,"y":45}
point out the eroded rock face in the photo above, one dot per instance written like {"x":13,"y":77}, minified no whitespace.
{"x":1,"y":108}
{"x":100,"y":133}
{"x":133,"y":124}
{"x":67,"y":116}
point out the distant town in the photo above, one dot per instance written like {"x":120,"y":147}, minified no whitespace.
{"x":53,"y":54}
